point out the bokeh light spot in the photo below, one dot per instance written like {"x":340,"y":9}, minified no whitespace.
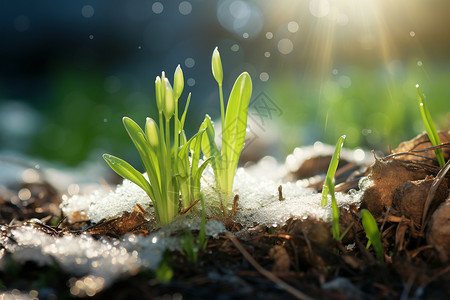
{"x":189,"y":62}
{"x":344,"y":81}
{"x":269,"y":35}
{"x":24,"y":194}
{"x":419,"y":63}
{"x":191,"y":82}
{"x":264,"y":76}
{"x":91,"y":36}
{"x":319,"y":8}
{"x":267,"y":54}
{"x":245,"y":35}
{"x":235,"y":48}
{"x":412,"y":34}
{"x":157,"y":7}
{"x":87,"y":11}
{"x":293,"y":27}
{"x":185,"y":8}
{"x":285,"y":46}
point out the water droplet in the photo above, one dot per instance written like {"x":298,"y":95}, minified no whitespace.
{"x":189,"y":62}
{"x":335,"y":71}
{"x":267,"y":54}
{"x":157,"y":7}
{"x":285,"y":46}
{"x":185,"y":8}
{"x":293,"y":27}
{"x":269,"y":35}
{"x":105,"y":120}
{"x":139,"y":47}
{"x":91,"y":37}
{"x":87,"y":11}
{"x":235,"y":48}
{"x":264,"y":76}
{"x":419,"y":63}
{"x":245,"y":35}
{"x":412,"y":34}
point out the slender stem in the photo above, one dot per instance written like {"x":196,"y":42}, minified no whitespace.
{"x":224,"y":150}
{"x":176,"y":136}
{"x":222,"y":107}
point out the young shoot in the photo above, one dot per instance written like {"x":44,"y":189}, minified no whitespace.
{"x":332,"y":170}
{"x":429,"y":126}
{"x":372,"y":233}
{"x":234,"y":125}
{"x":328,"y":187}
{"x":168,"y":166}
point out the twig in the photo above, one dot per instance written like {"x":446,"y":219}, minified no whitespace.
{"x":410,"y":152}
{"x":288,"y":288}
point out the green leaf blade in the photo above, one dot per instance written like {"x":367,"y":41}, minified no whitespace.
{"x":125,"y":170}
{"x":429,"y":126}
{"x":236,"y":122}
{"x":372,"y":232}
{"x":332,"y":170}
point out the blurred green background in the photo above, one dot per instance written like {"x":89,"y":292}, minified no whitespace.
{"x":69,"y":71}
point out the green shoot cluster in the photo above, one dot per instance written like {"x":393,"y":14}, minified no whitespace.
{"x":234,"y":125}
{"x":172,"y":162}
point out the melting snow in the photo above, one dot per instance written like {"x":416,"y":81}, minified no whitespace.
{"x":102,"y":261}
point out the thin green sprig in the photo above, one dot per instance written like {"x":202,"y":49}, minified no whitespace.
{"x":372,"y":233}
{"x":332,"y":170}
{"x":328,"y":188}
{"x":169,"y":167}
{"x":429,"y":126}
{"x":234,"y":125}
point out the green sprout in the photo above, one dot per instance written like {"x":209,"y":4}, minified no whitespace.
{"x":328,"y":187}
{"x":372,"y":233}
{"x":234,"y":125}
{"x":168,"y":167}
{"x":429,"y":126}
{"x":332,"y":170}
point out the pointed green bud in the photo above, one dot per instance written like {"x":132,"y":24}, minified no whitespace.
{"x":151,"y":131}
{"x":159,"y":94}
{"x":216,"y":65}
{"x":178,"y":83}
{"x":169,"y":101}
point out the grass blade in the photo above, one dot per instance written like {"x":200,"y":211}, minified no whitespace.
{"x":332,"y":170}
{"x":429,"y":126}
{"x":372,"y":232}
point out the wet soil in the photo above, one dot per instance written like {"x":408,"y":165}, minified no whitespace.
{"x":408,"y":197}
